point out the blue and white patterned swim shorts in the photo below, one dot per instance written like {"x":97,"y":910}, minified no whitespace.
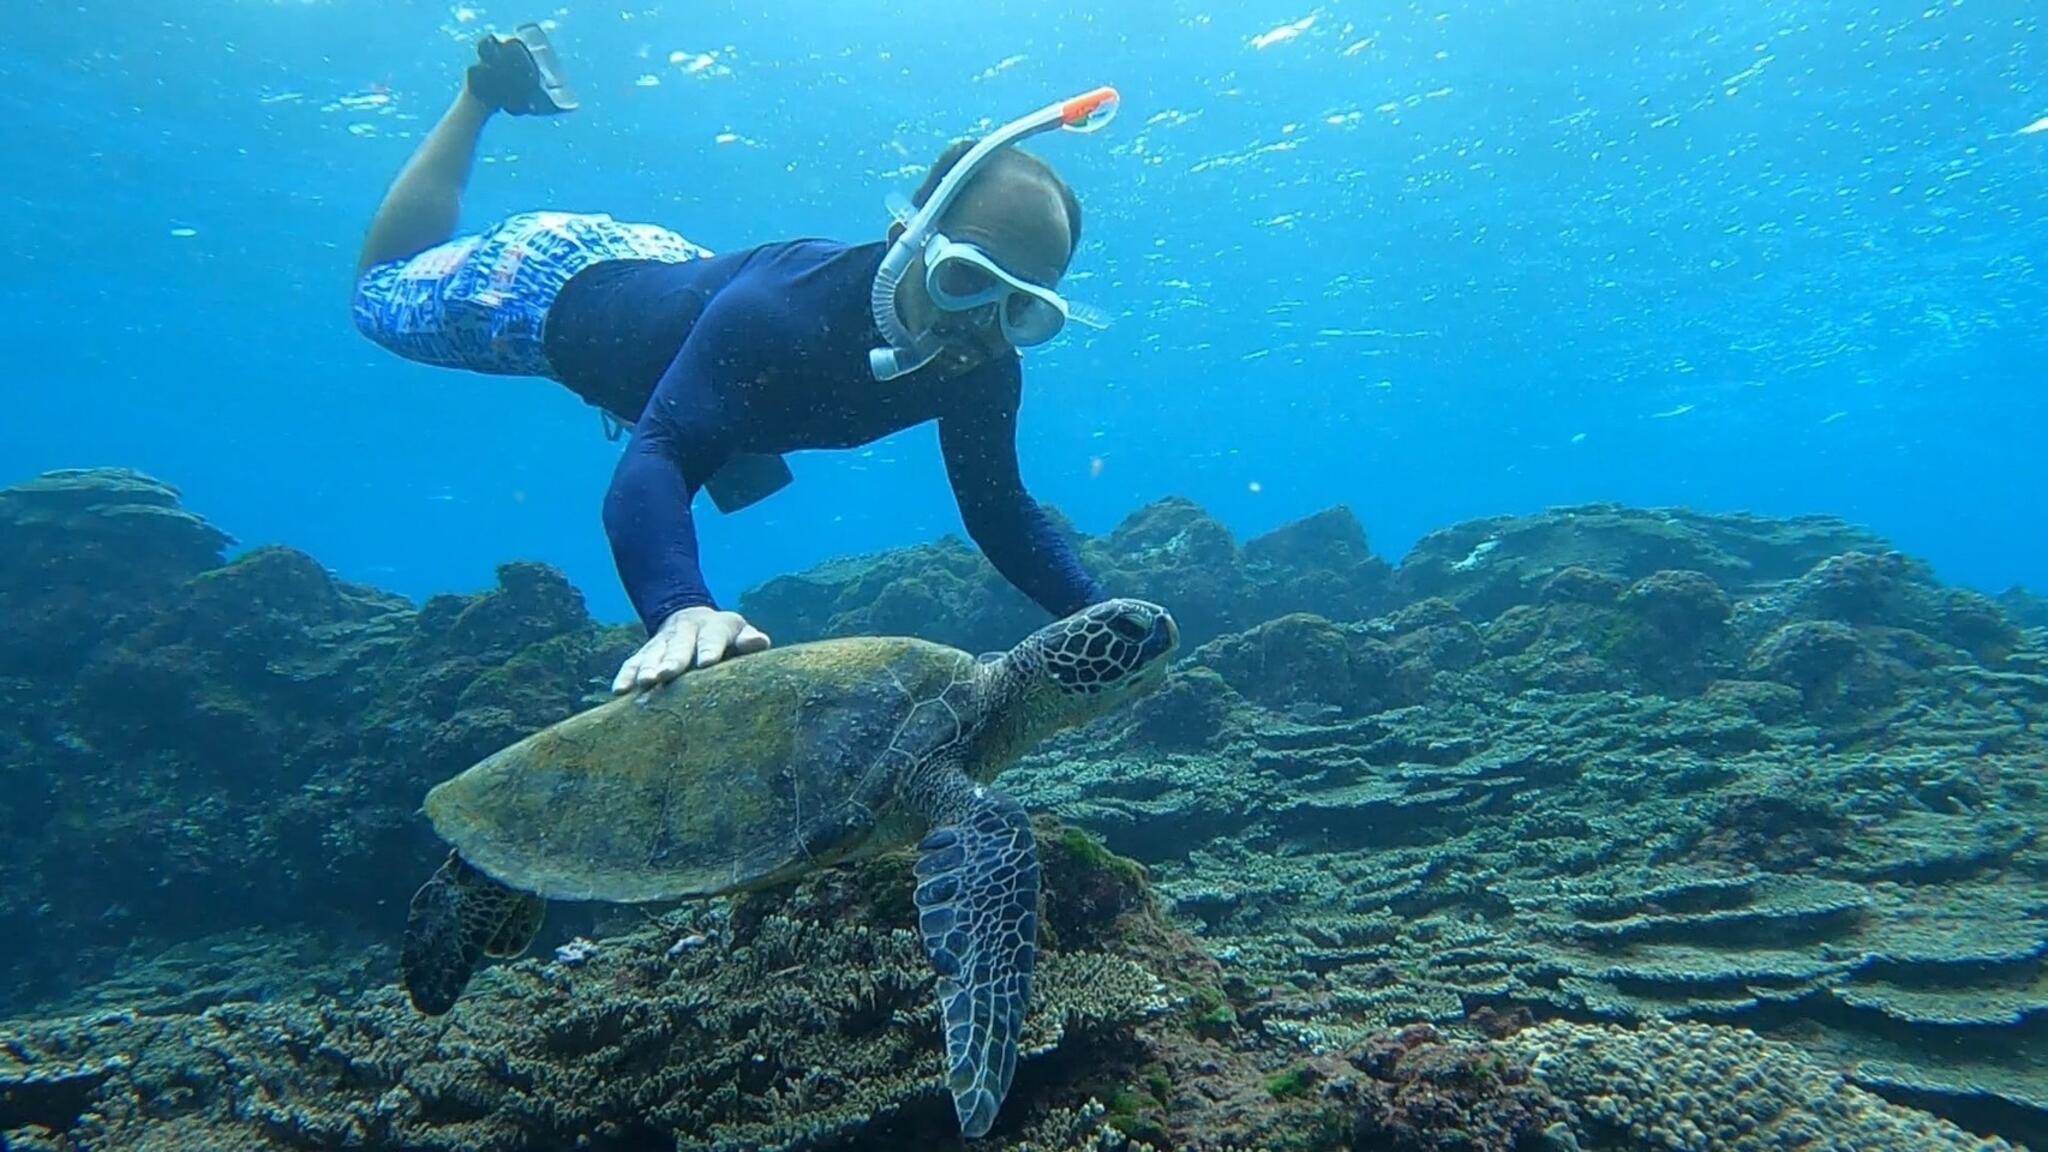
{"x":479,"y":302}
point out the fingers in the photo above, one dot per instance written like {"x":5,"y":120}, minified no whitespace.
{"x":688,"y":639}
{"x":673,"y":648}
{"x":664,"y":657}
{"x":627,"y":672}
{"x":714,"y":638}
{"x":727,"y":634}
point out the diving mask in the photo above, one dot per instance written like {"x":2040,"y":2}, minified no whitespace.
{"x":960,"y":277}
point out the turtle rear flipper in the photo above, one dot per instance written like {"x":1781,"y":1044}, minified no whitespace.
{"x":521,"y":924}
{"x":458,"y":917}
{"x":978,"y":914}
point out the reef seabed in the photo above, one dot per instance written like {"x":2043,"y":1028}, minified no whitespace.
{"x":1605,"y":828}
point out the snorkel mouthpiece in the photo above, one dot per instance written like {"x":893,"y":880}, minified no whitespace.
{"x":889,"y":363}
{"x":906,"y":351}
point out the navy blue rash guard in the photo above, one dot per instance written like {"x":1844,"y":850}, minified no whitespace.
{"x":766,"y":350}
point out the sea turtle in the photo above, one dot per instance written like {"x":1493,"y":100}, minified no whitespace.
{"x":758,"y":769}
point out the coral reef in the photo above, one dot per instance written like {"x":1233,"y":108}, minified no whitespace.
{"x":1486,"y":566}
{"x":798,"y":1018}
{"x":191,"y":745}
{"x":1690,"y":1088}
{"x":1422,"y":1093}
{"x":86,"y":540}
{"x":1170,"y":551}
{"x":1807,"y":804}
{"x":2025,"y":607}
{"x":789,"y":1019}
{"x":1697,"y":790}
{"x":1626,"y":856}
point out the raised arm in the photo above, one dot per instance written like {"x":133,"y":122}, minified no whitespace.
{"x":979,"y":440}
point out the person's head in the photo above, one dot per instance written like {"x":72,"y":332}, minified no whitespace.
{"x":1020,"y":215}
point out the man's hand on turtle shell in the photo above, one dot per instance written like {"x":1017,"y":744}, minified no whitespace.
{"x":691,"y":638}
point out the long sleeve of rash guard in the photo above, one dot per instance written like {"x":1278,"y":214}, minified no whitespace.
{"x":679,"y":442}
{"x":979,"y":441}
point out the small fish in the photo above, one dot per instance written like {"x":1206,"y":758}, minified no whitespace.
{"x":1681,"y":410}
{"x":2040,"y":125}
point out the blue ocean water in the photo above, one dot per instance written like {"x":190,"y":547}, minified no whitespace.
{"x":1433,"y":260}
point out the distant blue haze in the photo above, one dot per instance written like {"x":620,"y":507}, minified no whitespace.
{"x":1433,"y":261}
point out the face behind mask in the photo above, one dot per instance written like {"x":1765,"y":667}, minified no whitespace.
{"x":961,"y":278}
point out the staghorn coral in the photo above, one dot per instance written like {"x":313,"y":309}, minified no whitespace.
{"x":1083,"y":1129}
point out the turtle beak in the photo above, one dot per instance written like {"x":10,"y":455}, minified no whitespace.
{"x":1163,"y":642}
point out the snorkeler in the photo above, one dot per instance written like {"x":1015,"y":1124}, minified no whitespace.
{"x":721,"y":363}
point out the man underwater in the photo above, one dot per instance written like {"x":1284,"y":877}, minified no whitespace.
{"x":721,"y":363}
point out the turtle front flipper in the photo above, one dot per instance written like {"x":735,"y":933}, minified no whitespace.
{"x":458,"y":917}
{"x":977,"y":902}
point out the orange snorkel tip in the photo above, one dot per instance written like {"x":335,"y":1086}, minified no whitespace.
{"x":1089,"y":111}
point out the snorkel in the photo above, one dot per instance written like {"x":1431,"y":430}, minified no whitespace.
{"x":907,"y":352}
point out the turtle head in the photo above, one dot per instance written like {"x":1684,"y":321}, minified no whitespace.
{"x":1090,"y":663}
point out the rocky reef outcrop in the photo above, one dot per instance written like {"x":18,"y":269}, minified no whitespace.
{"x":1668,"y":793}
{"x":1794,"y":790}
{"x":1171,"y":552}
{"x":193,"y":744}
